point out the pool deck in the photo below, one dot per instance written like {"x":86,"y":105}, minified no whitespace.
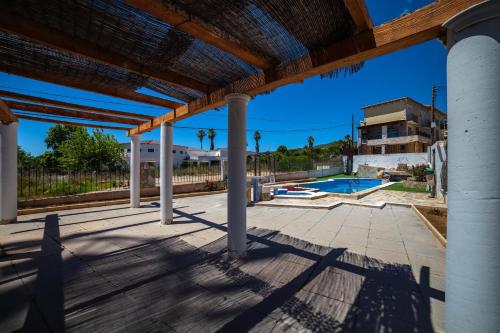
{"x":113,"y":268}
{"x":378,"y":198}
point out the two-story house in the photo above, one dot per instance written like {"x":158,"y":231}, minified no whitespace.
{"x":402,"y":125}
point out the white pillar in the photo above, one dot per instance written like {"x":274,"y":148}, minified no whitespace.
{"x":135,"y":171}
{"x":237,"y":174}
{"x":8,"y":172}
{"x":166,"y":174}
{"x":473,"y":248}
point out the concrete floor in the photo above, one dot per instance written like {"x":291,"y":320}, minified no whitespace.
{"x":350,"y":269}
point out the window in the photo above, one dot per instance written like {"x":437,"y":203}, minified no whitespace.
{"x":174,"y":151}
{"x":151,"y":150}
{"x":392,"y":133}
{"x":128,"y":150}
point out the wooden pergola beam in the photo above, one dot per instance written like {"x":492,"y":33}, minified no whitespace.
{"x":161,"y":12}
{"x":6,"y":115}
{"x":70,"y":123}
{"x":359,"y":14}
{"x":119,"y":93}
{"x":50,"y":102}
{"x":54,"y":39}
{"x":69,"y":113}
{"x":417,"y":27}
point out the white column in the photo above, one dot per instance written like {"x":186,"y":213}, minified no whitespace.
{"x":8,"y":172}
{"x":237,"y":174}
{"x":166,"y":174}
{"x":135,"y":171}
{"x":473,"y":248}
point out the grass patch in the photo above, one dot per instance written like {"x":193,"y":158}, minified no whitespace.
{"x":402,"y":188}
{"x":340,"y":175}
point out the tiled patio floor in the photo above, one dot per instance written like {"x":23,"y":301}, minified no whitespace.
{"x":350,"y":269}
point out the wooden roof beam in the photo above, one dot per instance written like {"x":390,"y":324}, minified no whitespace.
{"x":161,"y":12}
{"x":20,"y":26}
{"x":6,"y":115}
{"x":70,"y":123}
{"x":50,"y":102}
{"x":119,"y":93}
{"x":414,"y":28}
{"x":69,"y":113}
{"x":359,"y":14}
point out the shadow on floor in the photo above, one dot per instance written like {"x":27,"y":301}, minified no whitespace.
{"x":168,"y":285}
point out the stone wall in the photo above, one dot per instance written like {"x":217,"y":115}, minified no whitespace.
{"x":112,"y":195}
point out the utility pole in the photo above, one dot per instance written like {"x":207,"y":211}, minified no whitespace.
{"x":433,"y":125}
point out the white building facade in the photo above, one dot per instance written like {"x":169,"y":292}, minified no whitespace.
{"x":150,"y":153}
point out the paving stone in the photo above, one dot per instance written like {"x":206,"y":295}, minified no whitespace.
{"x":116,"y":269}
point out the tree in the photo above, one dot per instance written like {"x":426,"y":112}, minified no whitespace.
{"x":58,"y":134}
{"x":347,"y":147}
{"x":24,"y":159}
{"x":256,"y":137}
{"x":310,"y":142}
{"x":282,"y":149}
{"x":211,"y":136}
{"x":85,"y":151}
{"x":201,"y":135}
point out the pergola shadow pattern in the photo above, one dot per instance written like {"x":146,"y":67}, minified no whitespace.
{"x":166,"y":284}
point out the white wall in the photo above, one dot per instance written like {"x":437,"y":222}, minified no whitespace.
{"x":179,"y":155}
{"x":390,"y":161}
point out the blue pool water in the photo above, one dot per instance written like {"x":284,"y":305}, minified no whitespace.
{"x":344,"y":185}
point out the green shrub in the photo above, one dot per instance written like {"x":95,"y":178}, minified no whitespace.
{"x":294,"y":163}
{"x":418,"y":172}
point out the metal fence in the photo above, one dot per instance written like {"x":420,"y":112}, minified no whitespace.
{"x":39,"y":182}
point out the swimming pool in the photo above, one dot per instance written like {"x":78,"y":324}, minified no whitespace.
{"x":344,"y":185}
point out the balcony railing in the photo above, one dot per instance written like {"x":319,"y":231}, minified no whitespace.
{"x":398,"y":140}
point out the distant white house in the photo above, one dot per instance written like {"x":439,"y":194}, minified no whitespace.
{"x":150,"y":153}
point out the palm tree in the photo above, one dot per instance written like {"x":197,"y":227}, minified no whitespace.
{"x":211,"y":136}
{"x":310,"y":142}
{"x":201,"y":134}
{"x":282,"y":149}
{"x":346,"y":145}
{"x":256,"y":137}
{"x":347,"y":149}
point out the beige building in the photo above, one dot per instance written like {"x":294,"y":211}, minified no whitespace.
{"x":402,"y":125}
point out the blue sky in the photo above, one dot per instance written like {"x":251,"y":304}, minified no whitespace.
{"x":316,"y":103}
